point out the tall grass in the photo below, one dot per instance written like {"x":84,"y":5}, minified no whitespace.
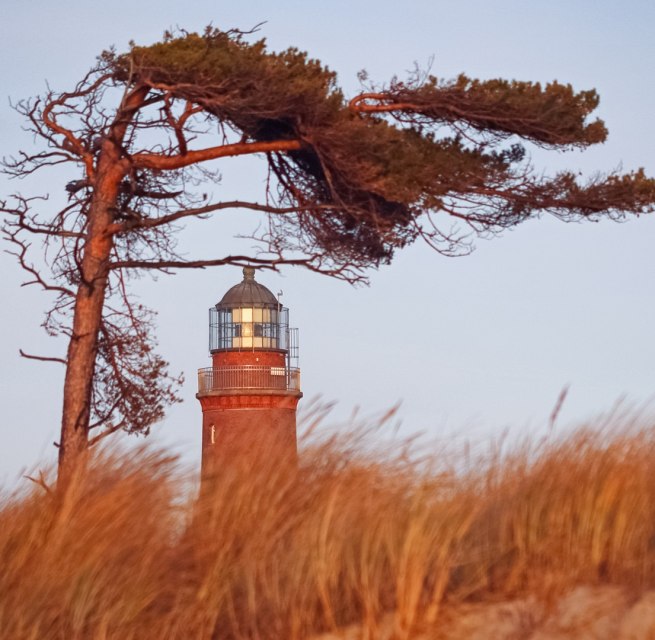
{"x":354,"y":533}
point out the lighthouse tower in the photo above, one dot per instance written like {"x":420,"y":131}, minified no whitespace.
{"x":250,"y":393}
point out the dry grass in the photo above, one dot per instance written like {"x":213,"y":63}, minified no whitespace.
{"x":352,"y":535}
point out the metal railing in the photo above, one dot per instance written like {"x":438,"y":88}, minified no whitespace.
{"x":247,"y":376}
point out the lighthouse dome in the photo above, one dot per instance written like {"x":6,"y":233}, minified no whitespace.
{"x":248,"y":293}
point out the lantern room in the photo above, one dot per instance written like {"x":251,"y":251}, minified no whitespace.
{"x":249,"y":317}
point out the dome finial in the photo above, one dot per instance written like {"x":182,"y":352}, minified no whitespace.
{"x":248,"y":274}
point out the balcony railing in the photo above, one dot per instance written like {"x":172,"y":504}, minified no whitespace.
{"x":236,"y":377}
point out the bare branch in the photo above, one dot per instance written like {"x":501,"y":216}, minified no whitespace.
{"x":107,"y":432}
{"x":235,"y":261}
{"x":167,"y":163}
{"x":41,"y":482}
{"x":21,"y":255}
{"x":73,"y":143}
{"x":314,"y":263}
{"x":41,"y":358}
{"x":198,"y":212}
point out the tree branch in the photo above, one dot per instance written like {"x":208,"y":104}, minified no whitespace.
{"x":237,"y":261}
{"x":40,"y":481}
{"x":149,"y":223}
{"x":386,"y":104}
{"x":166,"y":163}
{"x":41,"y":358}
{"x":346,"y":272}
{"x":104,"y":434}
{"x":72,"y":142}
{"x":21,"y":256}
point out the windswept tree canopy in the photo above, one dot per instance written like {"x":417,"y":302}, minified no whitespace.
{"x":350,"y":180}
{"x":365,"y":175}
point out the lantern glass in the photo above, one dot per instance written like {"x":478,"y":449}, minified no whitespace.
{"x":248,"y":328}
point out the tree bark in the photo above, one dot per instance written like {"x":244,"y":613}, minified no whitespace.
{"x":87,"y":318}
{"x":110,"y":170}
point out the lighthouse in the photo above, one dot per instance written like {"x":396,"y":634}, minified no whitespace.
{"x":250,"y":394}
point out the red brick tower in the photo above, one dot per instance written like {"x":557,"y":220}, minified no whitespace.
{"x":250,"y":393}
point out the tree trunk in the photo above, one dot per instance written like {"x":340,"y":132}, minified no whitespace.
{"x":87,"y":320}
{"x":111,"y":168}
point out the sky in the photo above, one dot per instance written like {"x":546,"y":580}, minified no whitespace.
{"x":469,"y":347}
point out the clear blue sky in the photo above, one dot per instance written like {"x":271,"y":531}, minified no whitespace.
{"x":471,"y":345}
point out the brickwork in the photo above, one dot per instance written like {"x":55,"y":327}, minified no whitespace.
{"x":238,"y":424}
{"x":251,"y":357}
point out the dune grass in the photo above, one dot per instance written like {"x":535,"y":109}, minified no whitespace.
{"x":355,"y":532}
